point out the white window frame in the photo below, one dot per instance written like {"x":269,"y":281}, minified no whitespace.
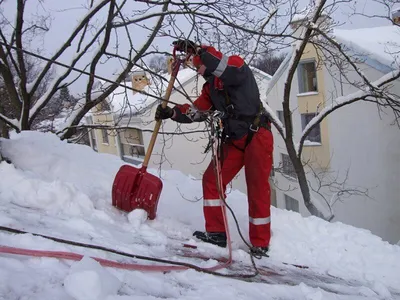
{"x":104,"y":136}
{"x":130,"y":158}
{"x":281,"y":117}
{"x":92,"y":134}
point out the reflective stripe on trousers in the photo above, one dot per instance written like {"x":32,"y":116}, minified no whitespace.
{"x":260,"y":221}
{"x":212,"y":202}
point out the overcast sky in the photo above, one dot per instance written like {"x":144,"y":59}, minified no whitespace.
{"x":66,"y":14}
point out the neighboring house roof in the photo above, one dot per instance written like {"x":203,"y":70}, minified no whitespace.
{"x":262,"y":73}
{"x":261,"y":76}
{"x":378,"y":47}
{"x":278,"y":73}
{"x":305,"y":14}
{"x":123,"y":101}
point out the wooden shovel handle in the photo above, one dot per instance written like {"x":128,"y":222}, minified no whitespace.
{"x":175,"y":69}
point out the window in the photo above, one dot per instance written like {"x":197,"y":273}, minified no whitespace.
{"x":104,"y":135}
{"x":291,"y":203}
{"x":281,"y":117}
{"x":287,"y":166}
{"x":135,"y":151}
{"x":273,"y":197}
{"x":307,"y":76}
{"x":272,"y":173}
{"x":92,"y":133}
{"x":315,"y":134}
{"x":132,"y":145}
{"x":104,"y":106}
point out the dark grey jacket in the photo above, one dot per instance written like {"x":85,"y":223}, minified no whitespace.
{"x":230,"y":81}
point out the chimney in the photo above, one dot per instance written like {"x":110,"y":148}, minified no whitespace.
{"x":169,"y":64}
{"x":396,"y":16}
{"x":139,"y":80}
{"x":300,"y":19}
{"x":186,"y":64}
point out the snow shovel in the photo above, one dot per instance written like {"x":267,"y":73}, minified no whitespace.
{"x":135,"y":188}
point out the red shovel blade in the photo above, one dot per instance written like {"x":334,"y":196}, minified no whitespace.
{"x":135,"y":188}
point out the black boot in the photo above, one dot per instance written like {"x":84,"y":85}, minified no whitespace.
{"x":215,"y":238}
{"x":259,"y":252}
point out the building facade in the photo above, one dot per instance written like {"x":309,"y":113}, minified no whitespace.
{"x":358,"y":144}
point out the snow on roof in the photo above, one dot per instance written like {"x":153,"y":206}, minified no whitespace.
{"x":278,"y":73}
{"x":379,"y":46}
{"x":305,"y":14}
{"x":123,"y":101}
{"x":376,"y":44}
{"x":260,"y":72}
{"x":262,"y":80}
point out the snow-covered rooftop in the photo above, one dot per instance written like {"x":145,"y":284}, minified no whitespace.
{"x":65,"y":192}
{"x":381,"y":44}
{"x":123,"y":101}
{"x":260,"y":72}
{"x":305,"y":14}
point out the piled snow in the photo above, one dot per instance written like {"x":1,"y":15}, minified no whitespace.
{"x":377,"y":43}
{"x":64,"y":190}
{"x":61,"y":121}
{"x":88,"y":280}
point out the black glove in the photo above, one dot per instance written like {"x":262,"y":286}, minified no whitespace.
{"x":186,"y":46}
{"x":164,"y":113}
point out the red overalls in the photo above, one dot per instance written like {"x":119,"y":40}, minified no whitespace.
{"x":231,"y":76}
{"x":257,"y":161}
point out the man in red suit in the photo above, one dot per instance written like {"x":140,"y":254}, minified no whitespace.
{"x":231,"y":88}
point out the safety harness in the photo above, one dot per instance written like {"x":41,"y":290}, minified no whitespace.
{"x":261,"y":119}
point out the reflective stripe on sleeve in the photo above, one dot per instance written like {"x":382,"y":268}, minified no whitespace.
{"x":260,"y":221}
{"x":221,"y":66}
{"x":212,"y":202}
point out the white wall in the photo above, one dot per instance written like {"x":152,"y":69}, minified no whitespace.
{"x":368,"y":144}
{"x":361,"y":141}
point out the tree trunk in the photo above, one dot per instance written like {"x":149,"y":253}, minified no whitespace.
{"x":4,"y":132}
{"x":303,"y":183}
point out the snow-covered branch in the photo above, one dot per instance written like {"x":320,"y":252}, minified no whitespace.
{"x":111,"y":87}
{"x":12,"y":122}
{"x":81,"y":25}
